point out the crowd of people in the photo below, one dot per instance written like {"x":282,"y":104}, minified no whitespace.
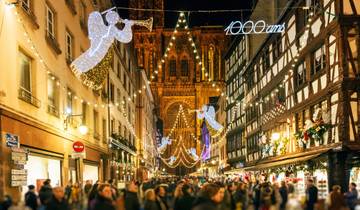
{"x":181,"y":194}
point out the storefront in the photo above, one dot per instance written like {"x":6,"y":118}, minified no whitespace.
{"x":355,"y":177}
{"x":48,"y":156}
{"x":91,"y":172}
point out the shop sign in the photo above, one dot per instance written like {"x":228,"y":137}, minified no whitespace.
{"x":18,"y":183}
{"x":11,"y":140}
{"x":251,"y":27}
{"x":18,"y":177}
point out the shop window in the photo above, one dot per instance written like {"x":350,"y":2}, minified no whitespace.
{"x":300,"y":74}
{"x":184,"y":68}
{"x":172,"y":68}
{"x":318,"y":60}
{"x":69,"y":47}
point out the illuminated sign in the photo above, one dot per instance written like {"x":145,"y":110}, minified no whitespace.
{"x":251,"y":27}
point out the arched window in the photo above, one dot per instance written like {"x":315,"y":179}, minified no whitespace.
{"x":184,"y":68}
{"x":172,"y":68}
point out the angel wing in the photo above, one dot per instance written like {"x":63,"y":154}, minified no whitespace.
{"x":211,"y":112}
{"x":96,"y":26}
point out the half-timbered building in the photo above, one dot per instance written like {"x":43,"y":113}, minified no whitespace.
{"x":293,"y":104}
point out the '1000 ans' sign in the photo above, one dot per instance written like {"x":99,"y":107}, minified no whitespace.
{"x":251,"y":27}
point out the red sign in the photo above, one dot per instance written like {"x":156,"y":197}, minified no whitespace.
{"x":78,"y":146}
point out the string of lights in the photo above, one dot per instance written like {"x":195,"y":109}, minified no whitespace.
{"x":50,"y":73}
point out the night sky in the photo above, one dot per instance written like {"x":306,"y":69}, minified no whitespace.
{"x":200,"y":19}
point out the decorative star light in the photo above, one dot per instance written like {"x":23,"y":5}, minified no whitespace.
{"x":101,"y":37}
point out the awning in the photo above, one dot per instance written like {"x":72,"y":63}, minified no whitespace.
{"x":293,"y":159}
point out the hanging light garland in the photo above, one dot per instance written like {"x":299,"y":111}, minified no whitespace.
{"x":181,"y":24}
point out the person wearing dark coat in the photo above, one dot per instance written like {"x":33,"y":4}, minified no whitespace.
{"x":57,"y":202}
{"x":45,"y":193}
{"x":103,"y":200}
{"x":351,"y":196}
{"x":284,"y":195}
{"x":161,"y":198}
{"x":150,"y":200}
{"x":131,"y":198}
{"x":256,"y":195}
{"x":185,"y":202}
{"x":209,"y":197}
{"x":31,"y":199}
{"x":311,"y":195}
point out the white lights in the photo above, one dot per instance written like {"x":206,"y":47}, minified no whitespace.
{"x":83,"y":129}
{"x":101,"y":38}
{"x":68,"y":111}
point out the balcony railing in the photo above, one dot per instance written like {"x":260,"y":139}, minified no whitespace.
{"x":51,"y":40}
{"x":119,"y":142}
{"x":53,"y":110}
{"x":27,"y":96}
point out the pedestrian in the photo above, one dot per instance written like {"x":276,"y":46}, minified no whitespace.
{"x":335,"y":199}
{"x":46,"y":192}
{"x":256,"y":195}
{"x":131,"y":198}
{"x":93,"y":193}
{"x":293,"y":202}
{"x":103,"y":200}
{"x":241,"y":197}
{"x":351,"y":196}
{"x":114,"y":191}
{"x":87,"y":188}
{"x":161,"y":198}
{"x":210,"y":196}
{"x":68,"y":192}
{"x":311,"y":195}
{"x":267,"y":196}
{"x":283,"y":190}
{"x":17,"y":205}
{"x":31,"y":199}
{"x":76,"y":196}
{"x":150,"y":200}
{"x":185,"y":202}
{"x":58,"y":201}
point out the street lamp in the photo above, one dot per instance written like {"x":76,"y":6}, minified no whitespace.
{"x":83,"y":129}
{"x":275,"y":136}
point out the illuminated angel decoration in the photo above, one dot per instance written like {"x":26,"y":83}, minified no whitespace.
{"x":193,"y":155}
{"x":208,"y":112}
{"x":172,"y":160}
{"x":164,"y":142}
{"x":101,"y":38}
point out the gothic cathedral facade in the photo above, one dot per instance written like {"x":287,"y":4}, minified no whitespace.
{"x":179,"y":80}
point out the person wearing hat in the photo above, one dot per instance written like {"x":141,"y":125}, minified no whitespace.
{"x":31,"y":199}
